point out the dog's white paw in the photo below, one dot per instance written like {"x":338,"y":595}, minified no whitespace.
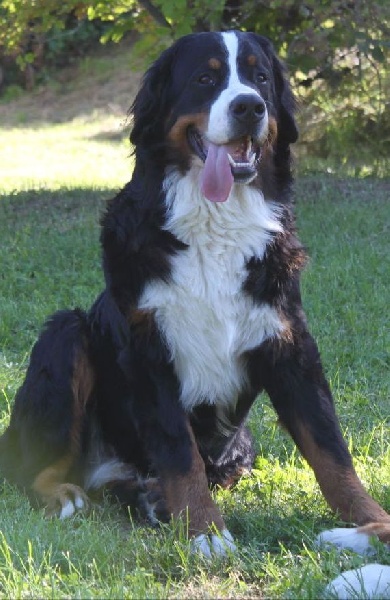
{"x":67,"y":510}
{"x":70,"y":506}
{"x":346,"y":538}
{"x":215,"y":544}
{"x":65,"y":500}
{"x":371,"y":581}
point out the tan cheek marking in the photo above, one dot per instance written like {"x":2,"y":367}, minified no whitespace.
{"x":268,"y":148}
{"x":340,"y":485}
{"x":190,"y":494}
{"x":272,"y":131}
{"x":178,"y":132}
{"x":214,"y":63}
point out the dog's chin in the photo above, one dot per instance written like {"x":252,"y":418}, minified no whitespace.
{"x":244,"y":154}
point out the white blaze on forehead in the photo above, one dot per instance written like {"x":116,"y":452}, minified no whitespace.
{"x":219,"y":124}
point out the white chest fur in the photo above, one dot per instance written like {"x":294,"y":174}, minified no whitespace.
{"x":206,"y":319}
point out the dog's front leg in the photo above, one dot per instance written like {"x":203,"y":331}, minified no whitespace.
{"x":341,"y":486}
{"x":188,"y":497}
{"x":293,"y":377}
{"x":172,"y":450}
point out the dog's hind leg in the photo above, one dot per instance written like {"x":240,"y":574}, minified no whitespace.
{"x":60,"y":497}
{"x":41,"y":451}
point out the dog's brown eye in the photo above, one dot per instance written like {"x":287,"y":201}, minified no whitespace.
{"x":261,"y":78}
{"x":205,"y":79}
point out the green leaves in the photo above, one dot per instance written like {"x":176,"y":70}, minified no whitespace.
{"x":310,"y":36}
{"x":337,"y":51}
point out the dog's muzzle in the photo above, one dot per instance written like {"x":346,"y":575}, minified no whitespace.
{"x":225,"y":164}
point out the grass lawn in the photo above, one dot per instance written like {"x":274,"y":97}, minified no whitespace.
{"x":54,"y":180}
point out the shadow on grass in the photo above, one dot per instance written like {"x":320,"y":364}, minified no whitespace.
{"x":111,"y":136}
{"x":42,"y":206}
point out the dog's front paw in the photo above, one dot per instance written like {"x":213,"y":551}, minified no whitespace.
{"x":217,"y":544}
{"x":346,"y":538}
{"x":381,"y":530}
{"x":357,"y":539}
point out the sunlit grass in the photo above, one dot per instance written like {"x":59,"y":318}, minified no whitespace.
{"x":81,"y":153}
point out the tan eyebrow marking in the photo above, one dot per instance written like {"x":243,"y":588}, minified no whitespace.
{"x":252,"y":60}
{"x":214,"y":63}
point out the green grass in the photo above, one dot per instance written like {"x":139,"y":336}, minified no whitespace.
{"x":89,"y":155}
{"x":54,"y":181}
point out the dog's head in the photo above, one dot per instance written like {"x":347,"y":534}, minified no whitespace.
{"x":219,"y":100}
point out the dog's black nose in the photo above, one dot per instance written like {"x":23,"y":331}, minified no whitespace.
{"x":247,"y":108}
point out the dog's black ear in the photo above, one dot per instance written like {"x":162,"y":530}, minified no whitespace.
{"x":285,"y":102}
{"x":150,"y":105}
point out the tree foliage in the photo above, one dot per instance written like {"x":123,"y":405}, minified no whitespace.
{"x":316,"y":38}
{"x":341,"y":46}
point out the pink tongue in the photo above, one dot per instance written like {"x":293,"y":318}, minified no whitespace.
{"x":216,"y":177}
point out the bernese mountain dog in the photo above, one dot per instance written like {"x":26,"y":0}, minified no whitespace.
{"x":147,"y":394}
